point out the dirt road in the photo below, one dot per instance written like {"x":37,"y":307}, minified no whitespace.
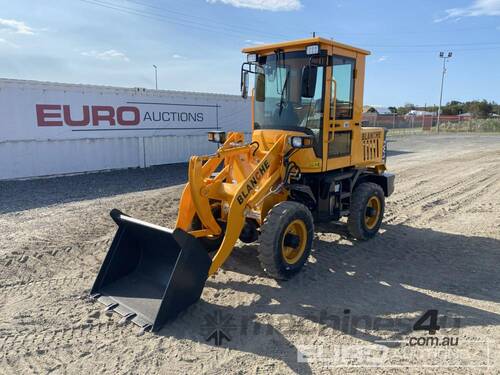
{"x":439,"y":248}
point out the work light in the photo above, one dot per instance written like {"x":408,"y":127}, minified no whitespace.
{"x":312,"y":49}
{"x":252,"y":57}
{"x":217,"y":136}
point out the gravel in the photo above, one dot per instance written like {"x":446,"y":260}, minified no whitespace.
{"x":439,"y":248}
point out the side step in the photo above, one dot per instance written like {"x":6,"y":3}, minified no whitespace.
{"x":150,"y":273}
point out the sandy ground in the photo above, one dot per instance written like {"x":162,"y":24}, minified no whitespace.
{"x":439,"y":248}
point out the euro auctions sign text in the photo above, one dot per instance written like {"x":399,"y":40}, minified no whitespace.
{"x":45,"y":111}
{"x":108,"y":116}
{"x":142,"y":116}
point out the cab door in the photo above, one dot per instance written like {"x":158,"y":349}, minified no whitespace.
{"x":338,"y":134}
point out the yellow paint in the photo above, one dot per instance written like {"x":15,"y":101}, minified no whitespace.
{"x":375,"y":205}
{"x":291,"y":254}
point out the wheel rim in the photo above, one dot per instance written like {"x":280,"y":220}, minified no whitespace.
{"x":294,"y":241}
{"x":372,"y":212}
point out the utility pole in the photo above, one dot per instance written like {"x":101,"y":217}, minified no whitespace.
{"x":156,"y":76}
{"x":443,"y":56}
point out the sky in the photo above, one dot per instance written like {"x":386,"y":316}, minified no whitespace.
{"x":196,"y":44}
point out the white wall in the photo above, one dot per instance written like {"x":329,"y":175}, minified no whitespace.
{"x":150,"y":127}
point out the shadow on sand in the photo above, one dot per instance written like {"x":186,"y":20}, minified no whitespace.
{"x":20,"y":195}
{"x":397,"y":152}
{"x":404,"y":270}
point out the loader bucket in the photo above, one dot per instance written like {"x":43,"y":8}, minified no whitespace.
{"x":150,"y":273}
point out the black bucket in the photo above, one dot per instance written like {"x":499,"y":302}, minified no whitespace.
{"x":150,"y":273}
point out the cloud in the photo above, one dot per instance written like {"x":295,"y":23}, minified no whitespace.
{"x":110,"y":54}
{"x":15,"y":27}
{"x":7,"y":43}
{"x":382,"y":58}
{"x":478,"y":8}
{"x":256,"y":42}
{"x":177,"y":56}
{"x":273,"y":5}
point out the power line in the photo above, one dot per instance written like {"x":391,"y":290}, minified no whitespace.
{"x":237,"y":31}
{"x":216,"y":28}
{"x":433,"y":45}
{"x":149,"y":15}
{"x":306,"y":30}
{"x":236,"y":27}
{"x":408,"y":31}
{"x":420,"y":52}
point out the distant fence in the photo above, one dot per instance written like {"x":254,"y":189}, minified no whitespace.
{"x":428,"y":123}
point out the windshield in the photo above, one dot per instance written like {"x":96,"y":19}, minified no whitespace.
{"x":279,"y":103}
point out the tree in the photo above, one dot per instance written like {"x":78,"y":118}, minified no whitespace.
{"x":406,"y":108}
{"x":479,"y":109}
{"x":453,"y":108}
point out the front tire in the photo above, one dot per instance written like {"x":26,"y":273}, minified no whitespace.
{"x":286,"y":239}
{"x":211,"y":243}
{"x":367,"y":211}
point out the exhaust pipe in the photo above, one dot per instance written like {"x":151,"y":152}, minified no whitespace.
{"x":150,"y":273}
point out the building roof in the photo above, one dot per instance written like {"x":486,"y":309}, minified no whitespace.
{"x":376,"y":109}
{"x":139,"y":91}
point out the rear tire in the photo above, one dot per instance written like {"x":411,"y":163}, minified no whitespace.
{"x":366,"y":211}
{"x":286,"y":239}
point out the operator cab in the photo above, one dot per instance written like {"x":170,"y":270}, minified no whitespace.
{"x":312,"y":86}
{"x":289,"y":92}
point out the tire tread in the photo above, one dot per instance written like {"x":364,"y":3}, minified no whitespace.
{"x":272,"y":227}
{"x":355,"y":219}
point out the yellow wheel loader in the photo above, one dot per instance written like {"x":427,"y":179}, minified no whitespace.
{"x":309,"y":161}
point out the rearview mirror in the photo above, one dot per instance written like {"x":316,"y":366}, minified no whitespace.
{"x":260,"y":87}
{"x":244,"y":84}
{"x":309,"y":74}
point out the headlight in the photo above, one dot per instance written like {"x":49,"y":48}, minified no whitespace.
{"x":217,"y":136}
{"x":301,"y":141}
{"x":297,"y":142}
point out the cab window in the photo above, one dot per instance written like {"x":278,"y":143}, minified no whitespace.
{"x":343,"y":74}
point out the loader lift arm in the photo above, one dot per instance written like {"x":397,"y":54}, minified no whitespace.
{"x":244,"y":191}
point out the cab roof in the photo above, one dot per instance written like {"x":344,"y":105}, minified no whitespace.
{"x":267,"y":48}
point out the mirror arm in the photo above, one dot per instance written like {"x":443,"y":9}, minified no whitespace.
{"x":241,"y":78}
